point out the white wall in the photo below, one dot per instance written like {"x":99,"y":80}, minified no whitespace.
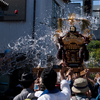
{"x":43,"y":27}
{"x":11,"y":31}
{"x":43,"y":15}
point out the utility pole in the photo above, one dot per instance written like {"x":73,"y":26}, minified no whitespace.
{"x":34,"y":15}
{"x":87,"y":7}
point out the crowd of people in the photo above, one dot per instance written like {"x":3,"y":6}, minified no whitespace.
{"x":46,"y":86}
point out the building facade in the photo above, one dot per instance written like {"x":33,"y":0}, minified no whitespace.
{"x":36,"y":18}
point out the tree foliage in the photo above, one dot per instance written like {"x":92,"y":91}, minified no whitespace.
{"x":93,"y":45}
{"x":94,"y":53}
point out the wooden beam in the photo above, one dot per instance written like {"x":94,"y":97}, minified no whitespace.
{"x":76,"y":70}
{"x":96,"y":10}
{"x":41,"y":69}
{"x":94,"y":69}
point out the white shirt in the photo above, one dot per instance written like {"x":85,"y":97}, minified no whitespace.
{"x":38,"y":93}
{"x":65,"y":94}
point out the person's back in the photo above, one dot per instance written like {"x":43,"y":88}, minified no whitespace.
{"x":81,"y":89}
{"x":54,"y":96}
{"x":49,"y":78}
{"x":23,"y":94}
{"x":80,"y":97}
{"x":27,"y":82}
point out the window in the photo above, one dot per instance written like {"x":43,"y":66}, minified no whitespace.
{"x":96,"y":12}
{"x":3,"y":7}
{"x":16,"y":10}
{"x":77,"y":1}
{"x":55,"y":14}
{"x":81,"y":5}
{"x":1,"y":14}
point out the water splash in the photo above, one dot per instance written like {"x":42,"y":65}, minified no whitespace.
{"x":27,"y":51}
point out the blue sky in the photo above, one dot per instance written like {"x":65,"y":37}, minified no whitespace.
{"x":96,"y":2}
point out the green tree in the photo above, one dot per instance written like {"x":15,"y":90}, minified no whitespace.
{"x":94,"y":54}
{"x":94,"y":44}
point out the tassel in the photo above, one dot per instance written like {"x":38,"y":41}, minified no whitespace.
{"x":60,"y":23}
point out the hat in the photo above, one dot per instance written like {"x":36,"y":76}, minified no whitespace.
{"x":6,"y":51}
{"x":80,"y":85}
{"x":27,"y":77}
{"x":98,"y":80}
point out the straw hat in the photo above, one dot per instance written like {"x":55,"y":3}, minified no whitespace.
{"x":80,"y":85}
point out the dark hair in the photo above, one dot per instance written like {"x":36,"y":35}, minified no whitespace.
{"x":42,"y":87}
{"x":26,"y":84}
{"x":71,"y":30}
{"x":49,"y":78}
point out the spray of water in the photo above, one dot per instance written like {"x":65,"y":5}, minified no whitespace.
{"x":30,"y":52}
